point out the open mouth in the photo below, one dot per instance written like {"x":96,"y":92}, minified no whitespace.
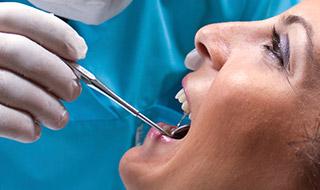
{"x":174,"y":132}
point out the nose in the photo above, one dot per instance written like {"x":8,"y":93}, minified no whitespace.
{"x":217,"y":41}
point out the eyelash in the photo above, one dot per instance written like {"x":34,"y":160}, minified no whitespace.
{"x":275,"y":49}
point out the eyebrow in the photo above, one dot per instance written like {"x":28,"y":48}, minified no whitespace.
{"x":293,"y":19}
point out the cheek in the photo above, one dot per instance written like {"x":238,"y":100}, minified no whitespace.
{"x":247,"y":90}
{"x":245,"y":97}
{"x":246,"y":115}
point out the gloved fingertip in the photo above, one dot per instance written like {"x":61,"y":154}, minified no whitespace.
{"x":78,"y":91}
{"x":63,"y":120}
{"x":38,"y":130}
{"x":81,"y":48}
{"x":76,"y":48}
{"x":71,"y":92}
{"x":75,"y":91}
{"x":59,"y":121}
{"x":29,"y":134}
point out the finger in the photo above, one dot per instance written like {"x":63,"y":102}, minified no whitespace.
{"x":20,"y":94}
{"x":30,"y":60}
{"x":17,"y":125}
{"x":44,"y":28}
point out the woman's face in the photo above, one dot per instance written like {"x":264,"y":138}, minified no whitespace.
{"x":249,"y":103}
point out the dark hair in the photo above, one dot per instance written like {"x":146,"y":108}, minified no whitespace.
{"x":307,"y":150}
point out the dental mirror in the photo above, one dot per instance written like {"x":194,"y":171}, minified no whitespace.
{"x":180,"y":132}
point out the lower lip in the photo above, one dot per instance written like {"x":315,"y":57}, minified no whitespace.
{"x":156,"y":135}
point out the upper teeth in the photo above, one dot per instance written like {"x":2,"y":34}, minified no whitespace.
{"x":181,"y":97}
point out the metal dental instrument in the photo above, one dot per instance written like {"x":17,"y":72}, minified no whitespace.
{"x":180,"y":122}
{"x":181,"y":131}
{"x":89,"y":79}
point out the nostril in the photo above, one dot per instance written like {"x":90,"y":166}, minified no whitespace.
{"x":203,"y":50}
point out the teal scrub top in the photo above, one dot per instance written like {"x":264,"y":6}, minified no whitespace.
{"x":140,"y":55}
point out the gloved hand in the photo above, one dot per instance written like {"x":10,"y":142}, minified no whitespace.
{"x":32,"y":76}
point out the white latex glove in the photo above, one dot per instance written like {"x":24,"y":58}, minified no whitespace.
{"x":32,"y":76}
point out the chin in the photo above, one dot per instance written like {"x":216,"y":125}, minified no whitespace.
{"x":141,"y":167}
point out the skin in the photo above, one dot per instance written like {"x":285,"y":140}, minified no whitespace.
{"x":249,"y":114}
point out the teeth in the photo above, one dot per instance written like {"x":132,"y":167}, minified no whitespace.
{"x":183,"y":100}
{"x":189,"y":116}
{"x":185,"y":107}
{"x":179,"y":93}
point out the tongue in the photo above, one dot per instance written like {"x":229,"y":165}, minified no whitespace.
{"x":167,"y":127}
